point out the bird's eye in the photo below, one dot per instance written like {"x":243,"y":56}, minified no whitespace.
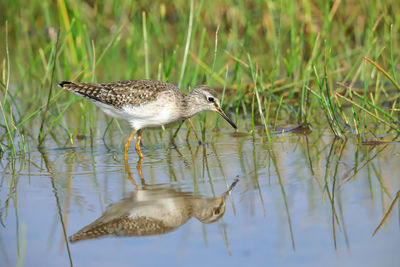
{"x":210,"y":99}
{"x":216,"y":211}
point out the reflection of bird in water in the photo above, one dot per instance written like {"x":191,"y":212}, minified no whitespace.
{"x":152,"y":212}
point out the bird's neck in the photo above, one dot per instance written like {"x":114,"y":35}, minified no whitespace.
{"x":190,"y":106}
{"x":203,"y":208}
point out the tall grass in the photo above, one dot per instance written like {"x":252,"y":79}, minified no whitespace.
{"x":299,"y":52}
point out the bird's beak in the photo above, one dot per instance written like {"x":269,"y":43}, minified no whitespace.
{"x":220,"y":112}
{"x":227,"y":193}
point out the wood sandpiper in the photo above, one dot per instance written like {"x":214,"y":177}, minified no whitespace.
{"x":153,"y":211}
{"x":147,"y":103}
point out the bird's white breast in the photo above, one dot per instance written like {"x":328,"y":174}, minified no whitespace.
{"x":168,"y":209}
{"x":162,"y":111}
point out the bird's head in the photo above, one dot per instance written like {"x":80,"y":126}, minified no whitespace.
{"x":208,"y":99}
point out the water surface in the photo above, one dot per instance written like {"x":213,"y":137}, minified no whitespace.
{"x":307,"y":200}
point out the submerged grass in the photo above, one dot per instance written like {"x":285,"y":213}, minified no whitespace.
{"x":388,"y":212}
{"x":282,"y":56}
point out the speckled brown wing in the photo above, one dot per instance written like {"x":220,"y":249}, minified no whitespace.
{"x":118,"y":94}
{"x":124,"y":226}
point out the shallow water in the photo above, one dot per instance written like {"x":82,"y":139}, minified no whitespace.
{"x":296,"y":202}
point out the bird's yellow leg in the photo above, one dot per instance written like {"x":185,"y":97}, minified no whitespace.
{"x":139,"y":170}
{"x":137,"y":146}
{"x":126,"y":148}
{"x":131,"y":178}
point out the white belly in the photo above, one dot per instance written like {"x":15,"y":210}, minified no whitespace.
{"x":154,"y":114}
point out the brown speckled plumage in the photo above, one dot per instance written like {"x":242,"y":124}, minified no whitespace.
{"x":124,"y":226}
{"x":118,"y":94}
